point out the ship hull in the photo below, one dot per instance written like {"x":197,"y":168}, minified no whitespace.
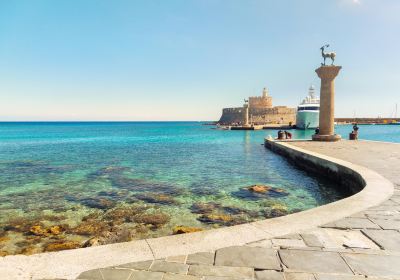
{"x":307,"y":119}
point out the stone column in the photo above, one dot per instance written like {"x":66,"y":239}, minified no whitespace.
{"x":327,"y":74}
{"x":246,"y":114}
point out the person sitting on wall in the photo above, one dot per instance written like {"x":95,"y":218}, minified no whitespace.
{"x":317,"y":130}
{"x":289,"y":135}
{"x":354,"y":134}
{"x":281,"y":135}
{"x":355,"y":128}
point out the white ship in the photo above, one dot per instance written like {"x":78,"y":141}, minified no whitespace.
{"x":308,"y":111}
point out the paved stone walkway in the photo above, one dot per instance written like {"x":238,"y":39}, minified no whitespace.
{"x":365,"y":245}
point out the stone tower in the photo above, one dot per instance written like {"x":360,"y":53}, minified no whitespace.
{"x":261,"y":102}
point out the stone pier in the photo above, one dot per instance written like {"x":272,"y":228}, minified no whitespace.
{"x":327,"y":74}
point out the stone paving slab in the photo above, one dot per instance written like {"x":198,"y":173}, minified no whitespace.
{"x":222,"y":278}
{"x":314,"y":261}
{"x":266,"y":243}
{"x":352,"y":223}
{"x":331,"y":238}
{"x":299,"y":276}
{"x":387,"y":223}
{"x":339,"y":277}
{"x":172,"y":267}
{"x":201,"y":258}
{"x":91,"y":274}
{"x":145,"y":275}
{"x":311,"y":240}
{"x":269,"y":275}
{"x":374,"y":265}
{"x":180,"y":277}
{"x":116,"y":274}
{"x":226,"y":271}
{"x":176,"y":259}
{"x":386,"y":239}
{"x":288,"y":243}
{"x":137,"y":265}
{"x":260,"y":258}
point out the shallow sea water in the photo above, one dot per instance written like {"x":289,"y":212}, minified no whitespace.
{"x":62,"y":184}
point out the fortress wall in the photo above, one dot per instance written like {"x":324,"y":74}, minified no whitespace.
{"x":273,"y":115}
{"x":231,"y":115}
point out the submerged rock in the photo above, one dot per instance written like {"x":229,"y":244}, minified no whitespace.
{"x":141,"y":229}
{"x":61,"y":245}
{"x":92,"y":242}
{"x":267,"y":189}
{"x":4,"y":253}
{"x":98,"y":203}
{"x":183,"y":229}
{"x":38,"y":230}
{"x":33,"y":239}
{"x":232,"y":210}
{"x":259,"y":188}
{"x":55,"y":230}
{"x":256,"y":192}
{"x":155,"y":220}
{"x":4,"y":238}
{"x":157,"y":198}
{"x":30,"y":250}
{"x":215,"y":219}
{"x":204,"y":208}
{"x":115,"y":236}
{"x":90,"y":227}
{"x":21,"y":224}
{"x":123,"y":214}
{"x":276,"y":210}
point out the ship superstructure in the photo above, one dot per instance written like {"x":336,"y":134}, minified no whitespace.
{"x":308,"y":111}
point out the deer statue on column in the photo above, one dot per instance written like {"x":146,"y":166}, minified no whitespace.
{"x":330,"y":55}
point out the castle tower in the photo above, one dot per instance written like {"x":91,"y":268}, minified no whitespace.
{"x":265,"y":92}
{"x":261,"y":102}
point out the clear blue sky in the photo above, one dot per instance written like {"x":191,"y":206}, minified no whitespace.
{"x":186,"y":59}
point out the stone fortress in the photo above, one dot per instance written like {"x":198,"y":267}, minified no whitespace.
{"x":260,"y":111}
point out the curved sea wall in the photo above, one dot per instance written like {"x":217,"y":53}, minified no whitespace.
{"x":372,"y":189}
{"x":346,"y":178}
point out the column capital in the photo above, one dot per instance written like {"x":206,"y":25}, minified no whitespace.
{"x":328,"y":72}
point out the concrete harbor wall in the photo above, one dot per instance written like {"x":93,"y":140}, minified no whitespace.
{"x":346,"y":178}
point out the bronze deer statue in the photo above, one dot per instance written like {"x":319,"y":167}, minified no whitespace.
{"x":330,"y":55}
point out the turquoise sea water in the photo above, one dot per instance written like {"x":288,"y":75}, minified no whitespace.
{"x":62,"y":184}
